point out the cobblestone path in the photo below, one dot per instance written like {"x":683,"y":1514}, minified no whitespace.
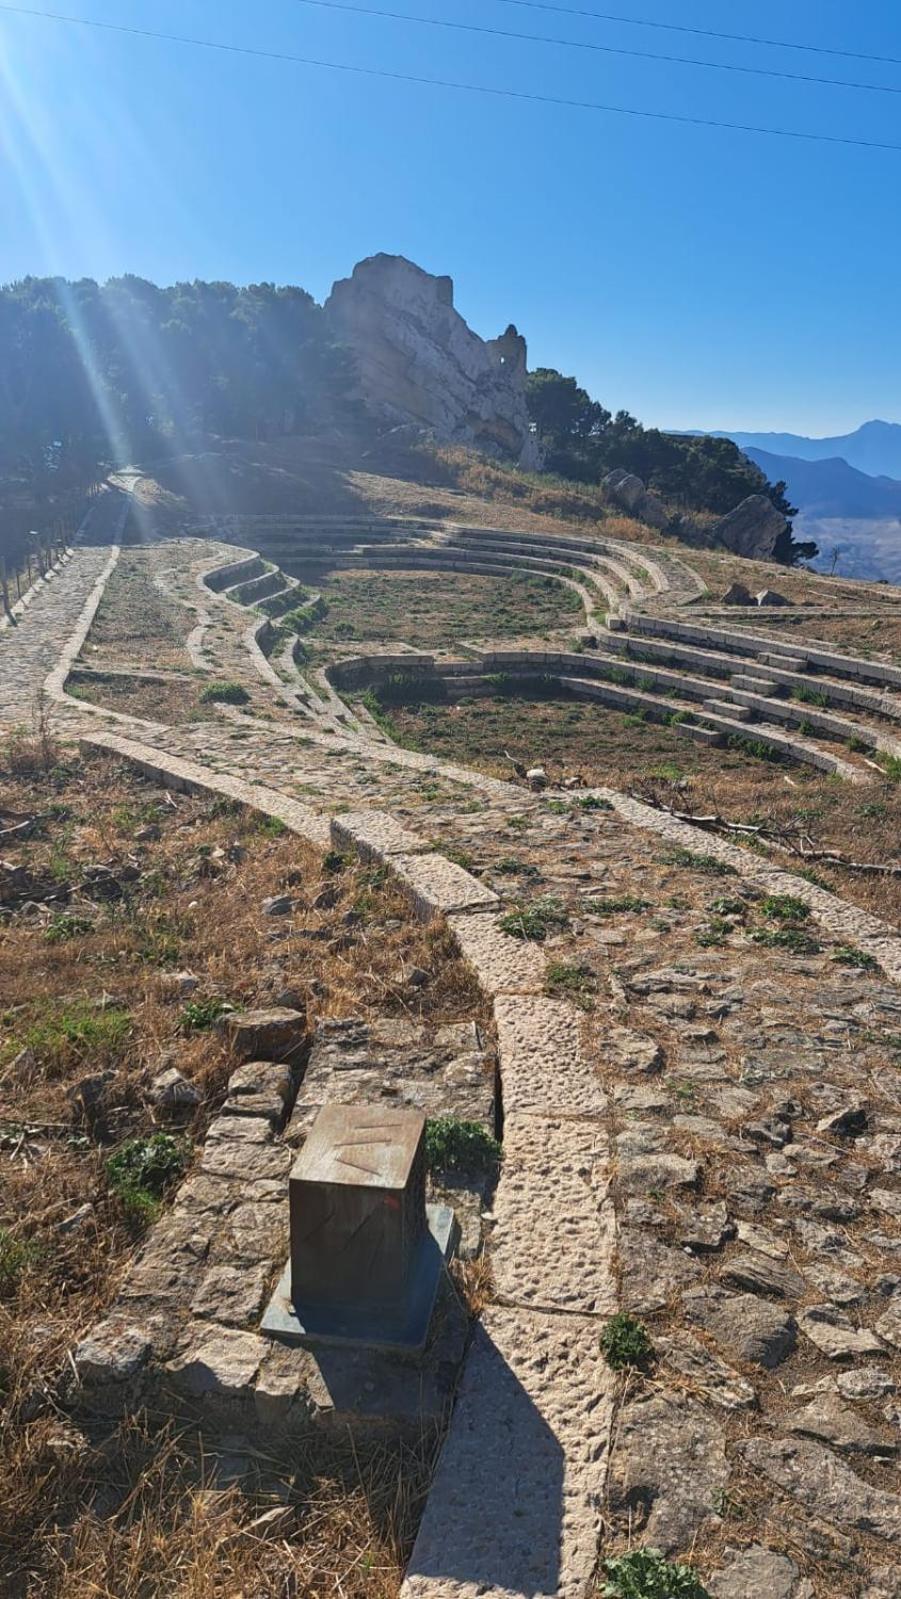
{"x":701,"y":1130}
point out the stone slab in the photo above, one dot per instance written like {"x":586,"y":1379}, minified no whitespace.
{"x":503,"y":965}
{"x":554,"y":1229}
{"x":374,"y":834}
{"x":438,"y":886}
{"x":515,"y":1505}
{"x":543,"y":1063}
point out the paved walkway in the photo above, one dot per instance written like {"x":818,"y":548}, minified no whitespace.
{"x":700,"y":1130}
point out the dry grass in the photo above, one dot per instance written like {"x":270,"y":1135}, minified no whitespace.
{"x":136,"y":624}
{"x":87,"y":1022}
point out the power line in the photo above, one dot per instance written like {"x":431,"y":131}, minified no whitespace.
{"x":446,"y":83}
{"x":599,"y":49}
{"x":703,"y":33}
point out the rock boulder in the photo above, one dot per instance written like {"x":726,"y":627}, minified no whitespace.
{"x":753,"y":528}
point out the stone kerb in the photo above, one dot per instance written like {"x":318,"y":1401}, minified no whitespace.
{"x":55,"y":682}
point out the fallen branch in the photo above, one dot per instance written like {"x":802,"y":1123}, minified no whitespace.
{"x":803,"y":847}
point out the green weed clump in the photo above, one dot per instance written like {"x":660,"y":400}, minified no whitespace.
{"x":143,"y":1169}
{"x":63,"y":927}
{"x":578,"y":983}
{"x":784,"y":908}
{"x":709,"y":864}
{"x":645,"y":1574}
{"x":15,"y":1255}
{"x":626,"y":1342}
{"x":850,"y":955}
{"x":224,"y":694}
{"x":452,"y":1145}
{"x":78,"y":1033}
{"x":201,"y":1014}
{"x":545,"y":915}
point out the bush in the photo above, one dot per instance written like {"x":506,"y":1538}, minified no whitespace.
{"x":452,"y":1145}
{"x":224,"y":694}
{"x":784,"y":908}
{"x":626,"y":1343}
{"x":645,"y":1574}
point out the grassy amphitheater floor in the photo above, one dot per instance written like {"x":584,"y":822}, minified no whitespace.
{"x":676,"y":1365}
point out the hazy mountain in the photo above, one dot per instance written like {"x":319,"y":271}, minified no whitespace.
{"x":875,"y":448}
{"x":829,"y":487}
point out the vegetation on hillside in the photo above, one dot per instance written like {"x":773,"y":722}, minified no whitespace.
{"x":93,"y":376}
{"x":583,"y":441}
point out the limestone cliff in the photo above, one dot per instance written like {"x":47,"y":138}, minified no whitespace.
{"x":419,"y":362}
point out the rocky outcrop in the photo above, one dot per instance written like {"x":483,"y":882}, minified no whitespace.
{"x":628,"y":491}
{"x":753,"y":529}
{"x":420,"y":363}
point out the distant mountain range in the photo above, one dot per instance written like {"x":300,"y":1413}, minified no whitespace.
{"x":874,"y":448}
{"x":847,"y":489}
{"x":829,"y":487}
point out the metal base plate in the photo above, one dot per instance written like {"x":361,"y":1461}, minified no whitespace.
{"x":369,"y":1326}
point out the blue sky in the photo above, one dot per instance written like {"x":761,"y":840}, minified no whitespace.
{"x":695,"y":276}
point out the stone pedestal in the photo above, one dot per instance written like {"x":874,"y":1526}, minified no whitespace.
{"x":367,"y":1254}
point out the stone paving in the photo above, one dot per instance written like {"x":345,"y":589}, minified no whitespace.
{"x":701,"y":1130}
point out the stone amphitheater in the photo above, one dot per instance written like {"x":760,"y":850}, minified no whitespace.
{"x":713,"y":1147}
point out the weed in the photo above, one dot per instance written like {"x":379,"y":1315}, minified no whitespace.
{"x":79,"y":1032}
{"x":334,"y":861}
{"x":15,"y":1255}
{"x":140,"y":1172}
{"x":511,"y":867}
{"x":724,"y":906}
{"x":850,"y":955}
{"x":709,"y":864}
{"x":857,"y":745}
{"x":271,"y":826}
{"x":615,"y":905}
{"x":577,"y":983}
{"x":810,"y":696}
{"x":645,"y":1574}
{"x":545,"y":915}
{"x":64,"y":926}
{"x":626,"y":1342}
{"x":891,"y":765}
{"x":593,"y":802}
{"x":556,"y":808}
{"x":794,"y":939}
{"x":224,"y":693}
{"x":713,"y":934}
{"x":201,"y":1014}
{"x":784,"y":908}
{"x":452,"y":1145}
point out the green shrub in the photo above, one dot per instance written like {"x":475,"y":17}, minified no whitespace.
{"x":625,"y":1342}
{"x":224,"y":694}
{"x":545,"y":915}
{"x":452,"y":1145}
{"x":593,"y":802}
{"x":645,"y":1574}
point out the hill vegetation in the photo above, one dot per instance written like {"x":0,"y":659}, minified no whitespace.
{"x":584,"y":441}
